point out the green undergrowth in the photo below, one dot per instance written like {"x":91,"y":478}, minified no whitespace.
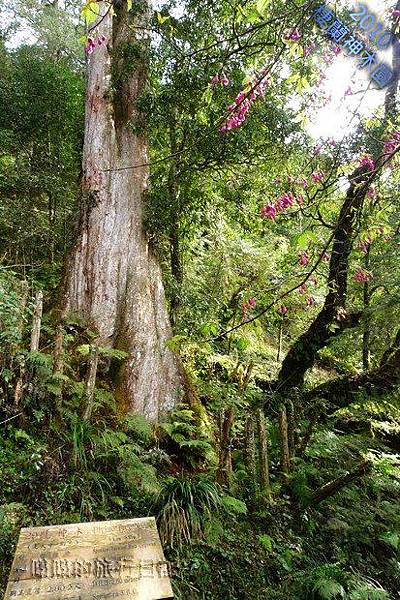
{"x":220,"y":546}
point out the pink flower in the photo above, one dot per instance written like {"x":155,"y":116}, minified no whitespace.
{"x":291,"y":179}
{"x":349,"y":92}
{"x":242,"y":104}
{"x":310,"y":301}
{"x":392,"y":143}
{"x":90,"y":45}
{"x":371,"y":192}
{"x":268,"y":211}
{"x":362,"y":276}
{"x":367,"y":161}
{"x":304,"y":183}
{"x":318,"y":176}
{"x":247,"y":306}
{"x":294,"y":35}
{"x":93,"y":42}
{"x":304,"y":259}
{"x":337,"y":50}
{"x":282,"y":310}
{"x":326,"y":257}
{"x":300,"y":199}
{"x":303,"y":288}
{"x":285,"y":200}
{"x":219,"y":79}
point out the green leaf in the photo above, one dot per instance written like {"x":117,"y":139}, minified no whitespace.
{"x":253,"y":16}
{"x":175,"y":343}
{"x":113,"y":353}
{"x":207,"y":96}
{"x":303,"y":240}
{"x":162,"y":19}
{"x":266,"y":541}
{"x":392,"y":538}
{"x":293,"y":78}
{"x":90,"y":12}
{"x":262,"y":6}
{"x":328,"y":589}
{"x":234,"y":505}
{"x":20,"y":434}
{"x":116,"y":499}
{"x":201,"y":117}
{"x":84,"y":350}
{"x":129,"y":5}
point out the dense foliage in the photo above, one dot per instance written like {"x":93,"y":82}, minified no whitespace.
{"x":280,"y":258}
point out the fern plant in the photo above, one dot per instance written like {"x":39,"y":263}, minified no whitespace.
{"x":330,"y":582}
{"x":184,"y":435}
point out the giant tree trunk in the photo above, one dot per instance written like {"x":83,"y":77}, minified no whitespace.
{"x":113,"y":279}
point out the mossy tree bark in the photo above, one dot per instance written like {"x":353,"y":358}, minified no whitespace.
{"x":224,"y":470}
{"x":263,"y":453}
{"x":113,"y":279}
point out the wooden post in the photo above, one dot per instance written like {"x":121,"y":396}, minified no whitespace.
{"x":58,"y":351}
{"x":250,"y":456}
{"x":37,"y":321}
{"x":291,"y":428}
{"x":90,"y":382}
{"x":283,"y":428}
{"x":263,"y":453}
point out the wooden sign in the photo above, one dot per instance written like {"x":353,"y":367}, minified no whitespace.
{"x":110,"y":560}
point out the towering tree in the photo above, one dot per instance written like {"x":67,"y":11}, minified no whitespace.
{"x":113,"y":279}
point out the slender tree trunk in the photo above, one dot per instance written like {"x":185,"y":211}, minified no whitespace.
{"x":173,"y":192}
{"x":37,"y":321}
{"x":280,"y":336}
{"x":263,"y":453}
{"x":366,"y":325}
{"x":250,"y":455}
{"x":224,"y":471}
{"x":283,"y":429}
{"x":176,"y":268}
{"x":291,"y":427}
{"x":58,"y":351}
{"x":90,"y":382}
{"x":113,"y":279}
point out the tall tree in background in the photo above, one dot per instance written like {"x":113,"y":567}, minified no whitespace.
{"x":113,"y":279}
